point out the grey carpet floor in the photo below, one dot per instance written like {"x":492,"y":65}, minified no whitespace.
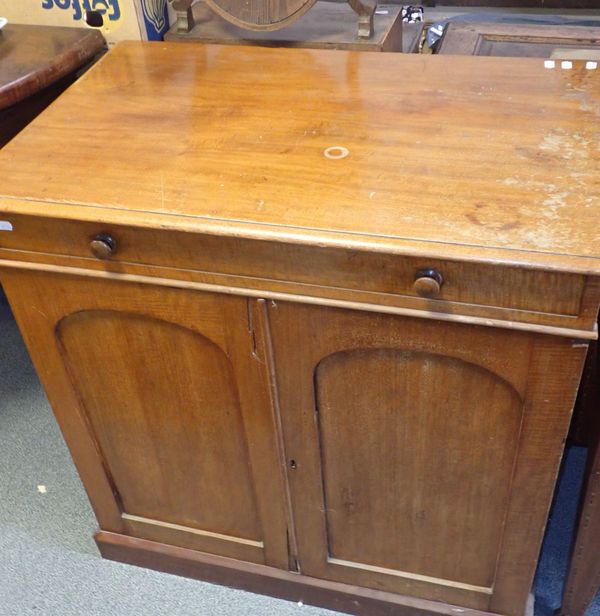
{"x":50,"y":566}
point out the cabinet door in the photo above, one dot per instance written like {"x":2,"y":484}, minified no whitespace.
{"x":163,"y":401}
{"x":421,"y":454}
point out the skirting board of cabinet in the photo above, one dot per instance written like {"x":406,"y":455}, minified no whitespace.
{"x":268,"y":580}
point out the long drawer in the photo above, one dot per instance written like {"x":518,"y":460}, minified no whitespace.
{"x":466,"y":288}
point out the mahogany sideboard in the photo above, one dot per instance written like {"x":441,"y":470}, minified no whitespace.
{"x":312,"y":322}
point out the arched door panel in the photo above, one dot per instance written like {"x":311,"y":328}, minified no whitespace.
{"x":164,"y":407}
{"x":403,"y":437}
{"x":406,"y":441}
{"x":164,"y":401}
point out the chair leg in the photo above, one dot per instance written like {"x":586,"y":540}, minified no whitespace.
{"x":185,"y":17}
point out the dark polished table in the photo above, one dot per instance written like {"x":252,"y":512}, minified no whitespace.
{"x":36,"y":64}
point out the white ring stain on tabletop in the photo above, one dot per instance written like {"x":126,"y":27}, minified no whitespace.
{"x":336,"y":152}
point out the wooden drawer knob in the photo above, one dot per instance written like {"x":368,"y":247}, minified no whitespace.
{"x":103,"y":246}
{"x":428,"y":283}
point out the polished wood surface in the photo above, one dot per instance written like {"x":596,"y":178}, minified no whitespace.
{"x":517,"y":40}
{"x":328,"y":25}
{"x":242,"y":153}
{"x":37,"y":64}
{"x":227,"y":324}
{"x":34,"y":57}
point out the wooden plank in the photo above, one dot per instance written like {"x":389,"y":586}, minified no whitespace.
{"x":553,"y":378}
{"x":283,"y":584}
{"x":518,"y":40}
{"x":382,"y":307}
{"x":484,"y":285}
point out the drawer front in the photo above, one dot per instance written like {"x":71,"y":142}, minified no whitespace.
{"x":311,"y":270}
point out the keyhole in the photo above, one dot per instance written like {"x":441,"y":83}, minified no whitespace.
{"x":293,"y":464}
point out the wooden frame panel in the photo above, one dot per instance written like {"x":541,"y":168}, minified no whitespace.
{"x":543,"y":370}
{"x":467,"y":285}
{"x":469,"y":39}
{"x":200,"y":312}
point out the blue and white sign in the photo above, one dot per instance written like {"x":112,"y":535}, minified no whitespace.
{"x":109,"y":14}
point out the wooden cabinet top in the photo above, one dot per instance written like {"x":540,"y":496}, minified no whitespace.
{"x":460,"y":157}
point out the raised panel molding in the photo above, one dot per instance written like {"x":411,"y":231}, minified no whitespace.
{"x":174,"y":390}
{"x":391,"y":501}
{"x":166,"y":404}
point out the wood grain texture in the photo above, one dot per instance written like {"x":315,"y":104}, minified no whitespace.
{"x":258,"y":578}
{"x":129,"y":388}
{"x":170,"y":398}
{"x":380,"y":504}
{"x":516,"y":40}
{"x":328,"y":25}
{"x":553,"y":293}
{"x":261,"y":14}
{"x":240,"y":151}
{"x":402,"y":400}
{"x":554,"y":374}
{"x":326,"y":298}
{"x":34,"y":57}
{"x":259,"y":322}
